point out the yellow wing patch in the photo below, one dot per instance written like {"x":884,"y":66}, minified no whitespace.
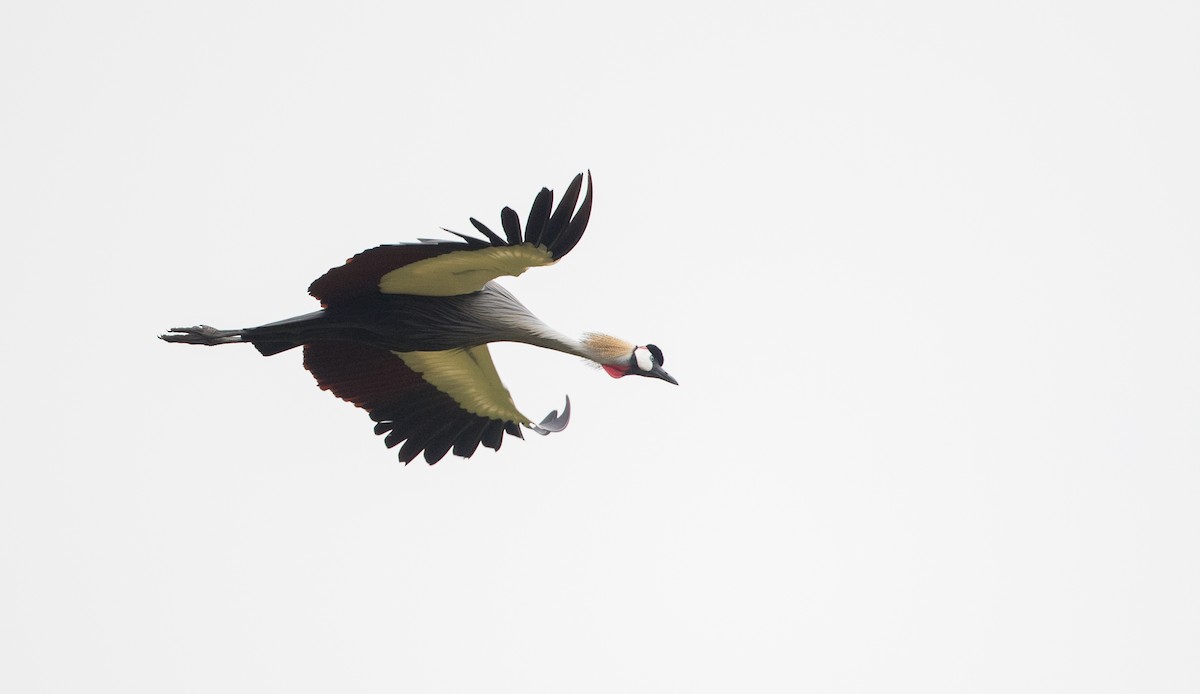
{"x":463,"y":272}
{"x":469,"y":376}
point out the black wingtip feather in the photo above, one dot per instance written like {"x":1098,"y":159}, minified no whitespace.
{"x":511,"y":223}
{"x":417,"y":440}
{"x":493,"y":434}
{"x":439,"y":446}
{"x":445,"y":438}
{"x":562,"y":213}
{"x":491,"y":235}
{"x":539,"y":215}
{"x":468,"y":440}
{"x":574,"y":231}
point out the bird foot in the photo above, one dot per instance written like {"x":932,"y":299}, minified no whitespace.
{"x":202,"y":335}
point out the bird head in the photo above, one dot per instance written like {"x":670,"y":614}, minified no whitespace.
{"x":619,"y":358}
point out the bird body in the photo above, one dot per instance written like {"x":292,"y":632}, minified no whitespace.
{"x":404,"y":329}
{"x":408,"y":323}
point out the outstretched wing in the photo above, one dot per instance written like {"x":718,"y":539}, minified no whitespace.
{"x":448,"y":268}
{"x":432,"y":401}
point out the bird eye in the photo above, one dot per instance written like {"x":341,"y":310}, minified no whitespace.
{"x":658,"y":355}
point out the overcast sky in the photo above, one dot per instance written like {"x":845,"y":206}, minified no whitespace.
{"x":928,"y":275}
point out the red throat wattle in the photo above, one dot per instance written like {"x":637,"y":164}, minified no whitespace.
{"x":614,"y":371}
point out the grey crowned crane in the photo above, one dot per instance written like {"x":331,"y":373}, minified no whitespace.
{"x":403,"y":332}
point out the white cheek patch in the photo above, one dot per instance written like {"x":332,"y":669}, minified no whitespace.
{"x":644,"y":360}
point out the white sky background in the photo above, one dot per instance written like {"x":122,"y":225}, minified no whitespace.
{"x":929,"y":276}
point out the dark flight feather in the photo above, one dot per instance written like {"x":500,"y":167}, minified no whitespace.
{"x":569,"y":238}
{"x":539,"y":215}
{"x":405,"y":407}
{"x":512,"y":225}
{"x":491,"y":235}
{"x":562,"y":214}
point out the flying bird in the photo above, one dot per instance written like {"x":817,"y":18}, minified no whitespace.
{"x":404,"y":328}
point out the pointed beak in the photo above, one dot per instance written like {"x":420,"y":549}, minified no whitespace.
{"x":657,"y":372}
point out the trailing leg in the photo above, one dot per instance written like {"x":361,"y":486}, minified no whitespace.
{"x":268,"y":339}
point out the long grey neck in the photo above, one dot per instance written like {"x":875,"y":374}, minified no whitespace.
{"x":543,"y":335}
{"x":515,"y":323}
